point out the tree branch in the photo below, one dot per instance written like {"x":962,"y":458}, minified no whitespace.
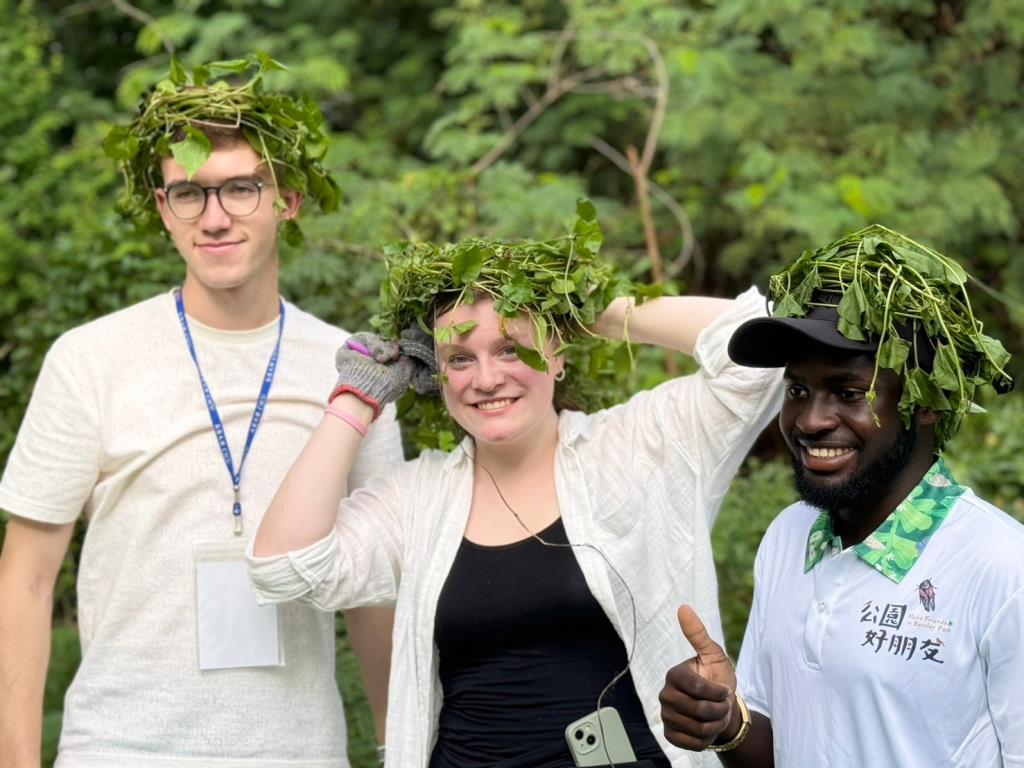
{"x":688,"y":248}
{"x":660,"y":103}
{"x":558,"y":53}
{"x":525,"y":120}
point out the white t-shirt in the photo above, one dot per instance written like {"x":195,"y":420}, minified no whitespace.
{"x":118,"y":428}
{"x":642,"y":481}
{"x":855,"y":669}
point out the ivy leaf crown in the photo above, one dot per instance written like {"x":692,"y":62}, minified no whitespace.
{"x":287,"y":131}
{"x":890,"y":283}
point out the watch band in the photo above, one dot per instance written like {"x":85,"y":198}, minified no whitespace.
{"x":741,"y":734}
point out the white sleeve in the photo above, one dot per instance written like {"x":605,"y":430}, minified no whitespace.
{"x":358,"y":563}
{"x":706,"y":422}
{"x":380,"y":452}
{"x":55,"y":462}
{"x":1004,"y":671}
{"x":751,"y":675}
{"x":723,"y":418}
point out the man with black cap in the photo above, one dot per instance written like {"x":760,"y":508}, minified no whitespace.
{"x":889,"y":602}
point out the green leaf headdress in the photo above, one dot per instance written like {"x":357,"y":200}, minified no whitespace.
{"x":287,"y":132}
{"x":560,"y":286}
{"x":890,"y":284}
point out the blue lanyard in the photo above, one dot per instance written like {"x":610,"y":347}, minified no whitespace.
{"x":218,"y":425}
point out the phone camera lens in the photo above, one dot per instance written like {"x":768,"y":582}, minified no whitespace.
{"x":591,"y":740}
{"x":579,"y":734}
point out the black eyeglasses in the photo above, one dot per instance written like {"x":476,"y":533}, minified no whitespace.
{"x":238,"y":197}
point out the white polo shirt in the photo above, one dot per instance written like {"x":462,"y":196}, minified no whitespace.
{"x":918,"y":664}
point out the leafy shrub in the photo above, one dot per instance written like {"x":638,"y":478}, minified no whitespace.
{"x":987,"y":454}
{"x":757,"y":495}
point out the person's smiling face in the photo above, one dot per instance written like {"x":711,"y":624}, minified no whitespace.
{"x":842,"y":457}
{"x":224,"y":252}
{"x":489,"y":391}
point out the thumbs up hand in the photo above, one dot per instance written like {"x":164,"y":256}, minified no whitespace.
{"x":698,"y":705}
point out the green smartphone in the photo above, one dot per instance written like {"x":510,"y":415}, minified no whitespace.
{"x":599,"y":739}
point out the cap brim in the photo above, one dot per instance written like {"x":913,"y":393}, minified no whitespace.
{"x":771,"y":342}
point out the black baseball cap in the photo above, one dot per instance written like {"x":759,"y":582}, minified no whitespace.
{"x":769,"y":342}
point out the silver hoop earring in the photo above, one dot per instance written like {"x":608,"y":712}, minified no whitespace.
{"x":560,"y":375}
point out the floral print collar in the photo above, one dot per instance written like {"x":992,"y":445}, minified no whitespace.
{"x":896,"y":544}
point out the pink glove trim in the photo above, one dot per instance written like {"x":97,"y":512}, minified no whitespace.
{"x":342,"y":388}
{"x":348,"y":418}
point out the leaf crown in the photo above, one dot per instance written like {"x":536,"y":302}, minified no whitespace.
{"x":287,"y":132}
{"x":560,"y":286}
{"x":889,"y":284}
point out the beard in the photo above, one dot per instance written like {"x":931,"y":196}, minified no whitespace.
{"x":864,"y":487}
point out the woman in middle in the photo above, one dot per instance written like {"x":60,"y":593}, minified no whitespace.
{"x":551,"y":546}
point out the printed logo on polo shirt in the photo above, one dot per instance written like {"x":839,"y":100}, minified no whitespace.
{"x":926,"y":593}
{"x":909,"y":635}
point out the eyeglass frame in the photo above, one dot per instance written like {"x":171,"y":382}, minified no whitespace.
{"x":259,"y":183}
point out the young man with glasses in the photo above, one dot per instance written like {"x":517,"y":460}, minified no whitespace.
{"x":170,"y":424}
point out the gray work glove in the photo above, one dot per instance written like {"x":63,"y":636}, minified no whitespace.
{"x":419,"y":346}
{"x":372,"y":369}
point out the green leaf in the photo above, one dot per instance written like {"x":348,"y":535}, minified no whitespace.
{"x":192,"y":151}
{"x":852,"y":307}
{"x":178,"y":75}
{"x":850,"y":330}
{"x":893,"y":353}
{"x":586,"y":210}
{"x":944,"y":369}
{"x":532,"y":358}
{"x":788,"y":307}
{"x":200,"y":74}
{"x":926,"y":391}
{"x":926,"y":265}
{"x":803,"y":293}
{"x":120,"y":144}
{"x":994,"y":350}
{"x":586,"y":228}
{"x":466,"y":264}
{"x":231,"y":66}
{"x":561,"y":285}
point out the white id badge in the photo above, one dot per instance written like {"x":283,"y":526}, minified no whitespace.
{"x":233,"y":630}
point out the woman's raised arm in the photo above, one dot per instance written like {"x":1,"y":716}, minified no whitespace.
{"x":371,"y":373}
{"x":672,"y":322}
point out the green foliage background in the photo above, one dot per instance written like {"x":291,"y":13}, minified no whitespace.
{"x":784,"y":124}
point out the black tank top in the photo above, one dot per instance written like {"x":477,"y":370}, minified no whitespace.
{"x":525,"y":649}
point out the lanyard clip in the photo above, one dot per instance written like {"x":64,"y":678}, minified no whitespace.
{"x":236,"y":513}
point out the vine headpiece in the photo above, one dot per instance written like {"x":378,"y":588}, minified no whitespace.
{"x":887,"y":295}
{"x":287,"y":132}
{"x":559,"y":286}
